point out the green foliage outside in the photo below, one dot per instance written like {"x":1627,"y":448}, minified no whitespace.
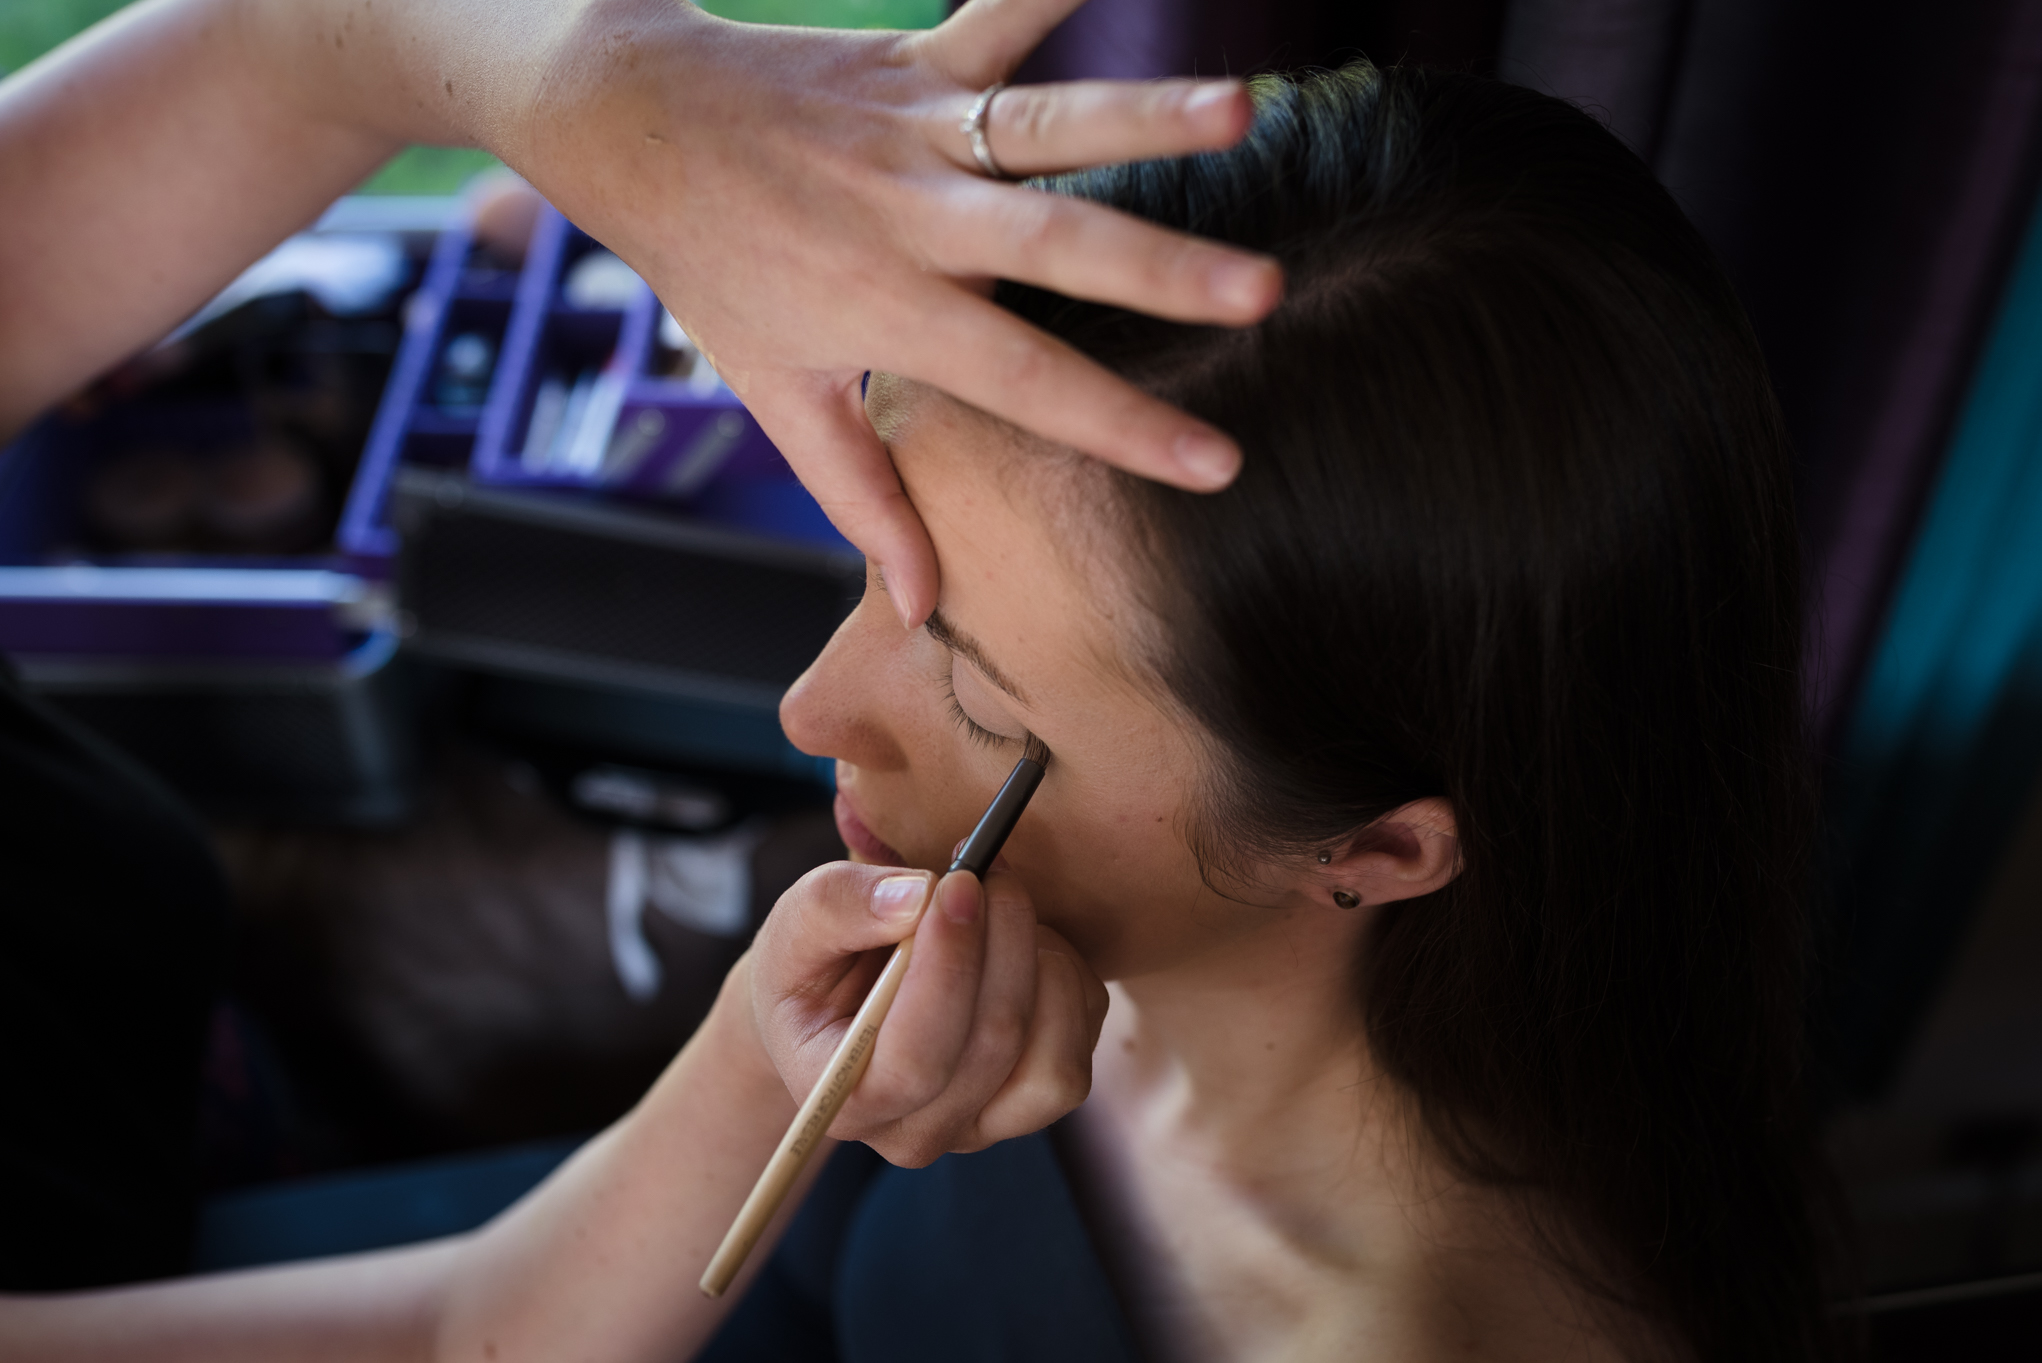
{"x":29,"y":28}
{"x":428,"y":170}
{"x":834,"y":13}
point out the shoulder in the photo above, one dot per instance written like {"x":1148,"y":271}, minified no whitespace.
{"x":1486,"y":1283}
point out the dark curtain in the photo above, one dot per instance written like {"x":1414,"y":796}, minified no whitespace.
{"x":1867,"y":173}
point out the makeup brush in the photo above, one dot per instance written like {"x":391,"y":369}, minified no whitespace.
{"x":854,"y":1052}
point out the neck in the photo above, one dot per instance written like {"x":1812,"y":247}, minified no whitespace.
{"x":1240,"y":1146}
{"x":1234,"y":1108}
{"x":1249,"y":1049}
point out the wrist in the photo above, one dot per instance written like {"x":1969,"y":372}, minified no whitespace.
{"x":730,"y":1033}
{"x":608,"y":72}
{"x":441,"y":72}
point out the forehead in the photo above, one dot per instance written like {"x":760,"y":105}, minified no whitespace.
{"x":1024,"y":533}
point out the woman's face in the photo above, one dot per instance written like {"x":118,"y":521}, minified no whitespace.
{"x":1035,"y":631}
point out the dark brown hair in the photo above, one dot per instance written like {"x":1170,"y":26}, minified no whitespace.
{"x":1515,"y":529}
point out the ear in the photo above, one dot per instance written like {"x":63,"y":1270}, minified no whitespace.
{"x":1411,"y":851}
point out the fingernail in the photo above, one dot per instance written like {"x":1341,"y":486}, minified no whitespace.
{"x":957,"y":896}
{"x":897,"y":899}
{"x":1210,"y":459}
{"x":1240,"y":284}
{"x":897,"y":594}
{"x":1209,"y":94}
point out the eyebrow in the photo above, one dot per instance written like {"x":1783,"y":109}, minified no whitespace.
{"x":958,"y":642}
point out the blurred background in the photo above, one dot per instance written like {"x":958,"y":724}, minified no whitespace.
{"x":436,"y":567}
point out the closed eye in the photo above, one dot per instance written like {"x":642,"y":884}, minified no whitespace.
{"x":976,"y":732}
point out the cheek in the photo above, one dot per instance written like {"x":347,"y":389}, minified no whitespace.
{"x":1109,"y":869}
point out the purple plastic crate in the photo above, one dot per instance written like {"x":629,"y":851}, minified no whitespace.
{"x":56,"y":599}
{"x":685,"y":444}
{"x":269,"y":614}
{"x":461,"y":295}
{"x":576,"y":406}
{"x":65,"y":595}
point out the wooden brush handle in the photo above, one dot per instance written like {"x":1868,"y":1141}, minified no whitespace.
{"x":823,"y":1104}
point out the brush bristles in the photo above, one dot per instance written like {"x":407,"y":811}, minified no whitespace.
{"x":1036,"y":751}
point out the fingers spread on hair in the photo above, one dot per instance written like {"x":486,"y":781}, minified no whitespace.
{"x":1088,"y":251}
{"x":982,"y":354}
{"x":1039,"y":129}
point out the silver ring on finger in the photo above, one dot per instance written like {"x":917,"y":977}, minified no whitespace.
{"x":974,"y":127}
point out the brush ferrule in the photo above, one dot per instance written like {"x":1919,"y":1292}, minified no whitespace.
{"x":986,"y":840}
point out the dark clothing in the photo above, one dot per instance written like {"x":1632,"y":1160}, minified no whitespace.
{"x":113,"y":917}
{"x":976,"y":1259}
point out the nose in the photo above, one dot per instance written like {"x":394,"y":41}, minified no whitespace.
{"x":833,"y":708}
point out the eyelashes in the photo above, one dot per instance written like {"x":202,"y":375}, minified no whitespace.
{"x":978,"y":733}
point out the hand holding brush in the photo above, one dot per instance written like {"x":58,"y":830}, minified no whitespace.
{"x":854,"y":1053}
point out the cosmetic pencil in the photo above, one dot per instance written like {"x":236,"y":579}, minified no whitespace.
{"x":840,"y":1077}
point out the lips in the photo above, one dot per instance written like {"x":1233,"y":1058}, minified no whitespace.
{"x":863,"y":843}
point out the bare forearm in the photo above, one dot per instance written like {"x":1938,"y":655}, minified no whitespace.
{"x":598,"y":1263}
{"x":147,"y":163}
{"x":371,"y":1307}
{"x":447,"y":72}
{"x":602,"y":1262}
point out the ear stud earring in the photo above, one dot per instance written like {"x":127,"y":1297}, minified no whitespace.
{"x":1347,"y":899}
{"x":1325,"y":858}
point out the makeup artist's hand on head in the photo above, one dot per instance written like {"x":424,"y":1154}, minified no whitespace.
{"x":802,"y":198}
{"x":806,"y":204}
{"x":992,"y":1032}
